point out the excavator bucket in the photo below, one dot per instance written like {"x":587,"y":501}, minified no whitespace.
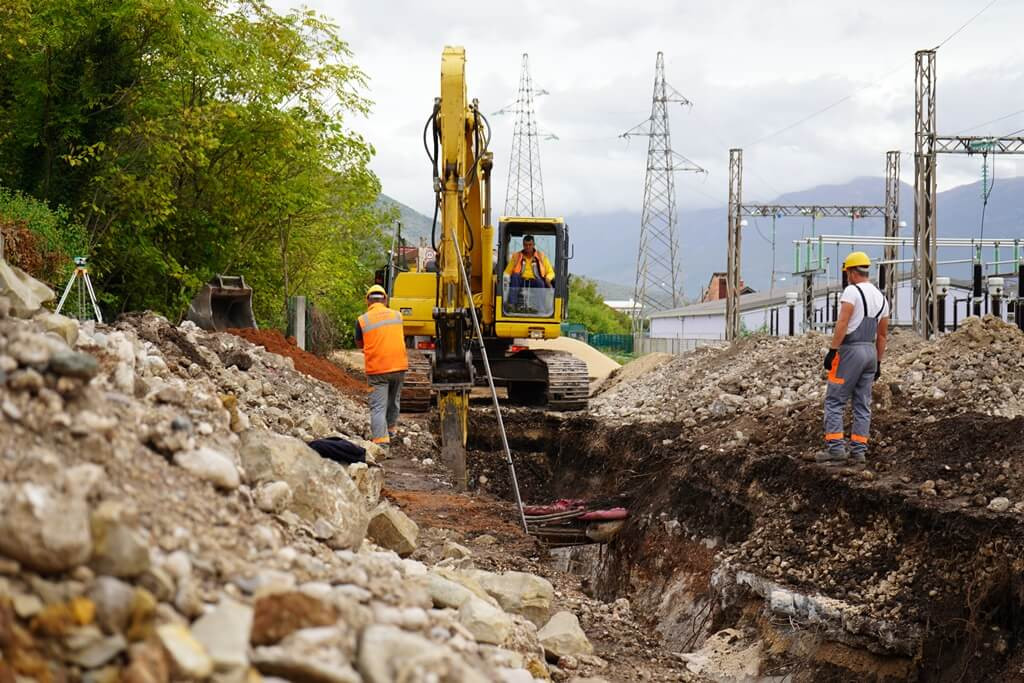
{"x":224,"y":302}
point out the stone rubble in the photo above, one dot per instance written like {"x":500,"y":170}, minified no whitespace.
{"x":165,"y":520}
{"x":977,"y":368}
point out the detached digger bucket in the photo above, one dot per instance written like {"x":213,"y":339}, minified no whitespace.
{"x":224,"y":302}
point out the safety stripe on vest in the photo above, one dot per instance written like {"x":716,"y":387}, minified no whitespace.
{"x":381,"y":323}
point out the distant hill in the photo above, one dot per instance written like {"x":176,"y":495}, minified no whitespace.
{"x":414,"y":224}
{"x":606,"y":244}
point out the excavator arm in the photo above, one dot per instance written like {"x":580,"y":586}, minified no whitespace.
{"x":462,"y":166}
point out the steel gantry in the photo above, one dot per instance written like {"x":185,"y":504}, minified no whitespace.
{"x":738,"y":210}
{"x":927,"y":146}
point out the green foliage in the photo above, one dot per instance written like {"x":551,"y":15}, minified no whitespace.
{"x":194,"y":137}
{"x":587,"y":307}
{"x":58,"y":237}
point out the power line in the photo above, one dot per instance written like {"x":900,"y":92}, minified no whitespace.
{"x":965,"y":24}
{"x":982,"y":125}
{"x":824,"y":109}
{"x":849,"y":96}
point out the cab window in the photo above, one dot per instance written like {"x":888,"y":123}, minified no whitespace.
{"x":526,"y":291}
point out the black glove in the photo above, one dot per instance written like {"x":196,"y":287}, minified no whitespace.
{"x":829,"y":358}
{"x":878,"y":369}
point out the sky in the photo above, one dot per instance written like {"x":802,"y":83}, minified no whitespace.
{"x":751,"y":68}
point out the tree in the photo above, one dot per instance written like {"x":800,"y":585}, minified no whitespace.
{"x":588,"y":308}
{"x":194,"y":137}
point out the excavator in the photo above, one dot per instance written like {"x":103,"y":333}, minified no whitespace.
{"x":467,"y":288}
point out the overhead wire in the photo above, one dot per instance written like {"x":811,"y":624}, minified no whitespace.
{"x":875,"y":82}
{"x":982,"y":125}
{"x":965,"y":24}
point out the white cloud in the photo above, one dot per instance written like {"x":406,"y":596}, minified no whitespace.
{"x":750,"y":67}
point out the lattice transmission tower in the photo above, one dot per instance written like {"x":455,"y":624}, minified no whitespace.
{"x":524,"y":195}
{"x":659,"y":281}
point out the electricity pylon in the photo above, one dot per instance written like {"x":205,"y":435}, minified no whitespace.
{"x":658,"y":284}
{"x":524,"y":195}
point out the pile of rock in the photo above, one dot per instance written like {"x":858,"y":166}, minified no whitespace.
{"x":712,"y":383}
{"x":978,"y":368}
{"x":164,"y":520}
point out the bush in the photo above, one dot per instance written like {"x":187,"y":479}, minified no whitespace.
{"x":40,"y":240}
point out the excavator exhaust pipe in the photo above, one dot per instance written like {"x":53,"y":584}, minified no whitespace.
{"x":224,"y":302}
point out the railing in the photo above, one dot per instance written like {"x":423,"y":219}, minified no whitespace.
{"x":642,"y":345}
{"x":622,"y":343}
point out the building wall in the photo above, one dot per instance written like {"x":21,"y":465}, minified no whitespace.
{"x":712,"y":326}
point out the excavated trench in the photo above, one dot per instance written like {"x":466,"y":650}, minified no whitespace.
{"x":741,"y":552}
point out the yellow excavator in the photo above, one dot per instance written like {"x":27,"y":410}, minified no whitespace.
{"x":468,"y":280}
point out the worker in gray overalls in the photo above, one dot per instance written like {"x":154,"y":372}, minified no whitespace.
{"x":854,"y":362}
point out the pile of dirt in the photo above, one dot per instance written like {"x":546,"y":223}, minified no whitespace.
{"x":978,"y":368}
{"x":305,"y":362}
{"x":635,"y":369}
{"x":599,"y":366}
{"x":163,"y":519}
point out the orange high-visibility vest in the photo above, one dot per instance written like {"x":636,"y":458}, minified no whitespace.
{"x":383,"y":341}
{"x":517,"y":269}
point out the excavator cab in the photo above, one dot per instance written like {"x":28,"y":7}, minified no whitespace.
{"x":532,"y":307}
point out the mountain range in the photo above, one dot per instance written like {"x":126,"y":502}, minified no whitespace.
{"x":605,"y":244}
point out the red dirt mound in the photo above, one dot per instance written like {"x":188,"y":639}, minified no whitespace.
{"x":305,"y":362}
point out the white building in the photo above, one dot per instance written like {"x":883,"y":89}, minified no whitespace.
{"x":706,"y":321}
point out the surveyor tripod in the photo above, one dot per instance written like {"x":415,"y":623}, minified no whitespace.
{"x":84,"y":287}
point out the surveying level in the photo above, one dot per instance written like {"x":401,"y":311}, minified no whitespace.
{"x":84,"y":287}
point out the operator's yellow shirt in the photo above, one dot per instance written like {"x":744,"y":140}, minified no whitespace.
{"x":527,"y":274}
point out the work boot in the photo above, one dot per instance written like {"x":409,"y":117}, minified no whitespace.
{"x":830,"y":457}
{"x":858,"y":458}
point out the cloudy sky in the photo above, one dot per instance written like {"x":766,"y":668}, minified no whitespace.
{"x":750,"y":67}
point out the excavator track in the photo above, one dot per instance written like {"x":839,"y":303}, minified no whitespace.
{"x":568,"y":382}
{"x":416,"y":389}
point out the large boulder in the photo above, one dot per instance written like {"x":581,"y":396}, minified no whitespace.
{"x":224,"y":634}
{"x":387,"y":654}
{"x":391,"y":528}
{"x":520,"y":593}
{"x":321,"y":489}
{"x":488,"y":624}
{"x":562,"y":636}
{"x":25,"y":293}
{"x":46,"y":528}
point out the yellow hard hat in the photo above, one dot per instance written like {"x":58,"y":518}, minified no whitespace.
{"x":376,"y":290}
{"x":856,"y":259}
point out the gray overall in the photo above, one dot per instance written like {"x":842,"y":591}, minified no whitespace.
{"x":853,"y":372}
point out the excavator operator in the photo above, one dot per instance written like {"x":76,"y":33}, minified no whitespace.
{"x":379,"y":335}
{"x":529,"y":267}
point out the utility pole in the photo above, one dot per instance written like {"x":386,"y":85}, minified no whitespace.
{"x":927,"y":146}
{"x":925,"y":302}
{"x":658,"y":283}
{"x":892,"y":224}
{"x":524,"y":195}
{"x":732,"y":275}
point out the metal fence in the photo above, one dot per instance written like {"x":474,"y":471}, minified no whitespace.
{"x":642,"y":345}
{"x":621,"y":343}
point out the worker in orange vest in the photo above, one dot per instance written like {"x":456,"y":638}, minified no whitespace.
{"x":379,"y":335}
{"x":529,"y":267}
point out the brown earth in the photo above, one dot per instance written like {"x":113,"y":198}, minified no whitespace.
{"x":305,"y":362}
